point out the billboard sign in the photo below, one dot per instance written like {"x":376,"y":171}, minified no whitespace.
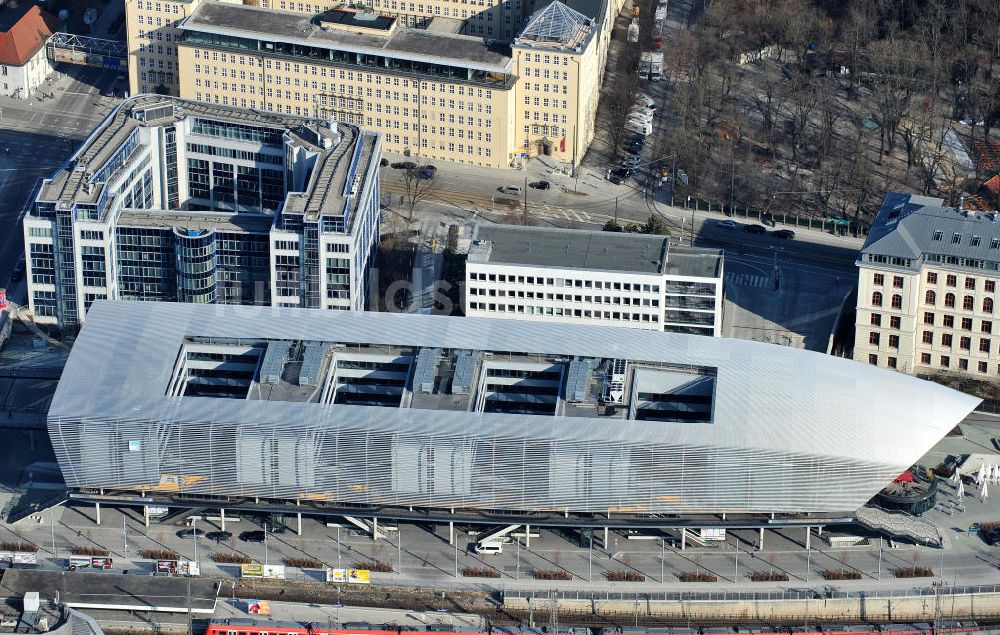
{"x":101,"y":563}
{"x":258,"y":607}
{"x":79,"y":562}
{"x":25,"y":557}
{"x":359,"y":576}
{"x":713,"y":533}
{"x":274,"y":571}
{"x":252,"y":570}
{"x":166,"y":566}
{"x":336,"y":575}
{"x":188,"y":567}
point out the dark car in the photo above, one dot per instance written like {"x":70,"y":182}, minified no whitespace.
{"x":619,"y":175}
{"x":404,"y":165}
{"x":191,"y":532}
{"x":218,"y":536}
{"x":754,"y":229}
{"x":540,"y":185}
{"x":784,"y":234}
{"x":428,"y":171}
{"x":633,"y":148}
{"x":384,"y":162}
{"x":252,"y":536}
{"x":990,"y":534}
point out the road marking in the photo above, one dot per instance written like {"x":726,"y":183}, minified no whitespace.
{"x":747,"y":280}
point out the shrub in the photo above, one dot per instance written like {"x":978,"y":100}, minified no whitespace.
{"x":160,"y":554}
{"x":625,"y":576}
{"x":769,"y":576}
{"x":90,"y":551}
{"x":18,"y":546}
{"x":303,"y":563}
{"x":230,"y":557}
{"x":836,"y":574}
{"x":480,"y":572}
{"x":374,"y":565}
{"x":698,"y":576}
{"x":913,"y":572}
{"x":551,"y":574}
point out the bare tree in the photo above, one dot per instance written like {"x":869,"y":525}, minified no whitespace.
{"x":417,"y":186}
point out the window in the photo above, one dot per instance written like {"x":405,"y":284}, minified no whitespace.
{"x":928,"y":318}
{"x":895,"y":321}
{"x":983,"y":367}
{"x":876,"y":319}
{"x":949,"y":300}
{"x":873,"y":359}
{"x":925,"y":358}
{"x":878,"y":279}
{"x":987,"y":326}
{"x":893,"y":341}
{"x":987,"y":305}
{"x":946,"y":339}
{"x":966,"y":324}
{"x":968,"y":303}
{"x":963,"y":364}
{"x":930,"y":297}
{"x":928,"y":337}
{"x":897,"y":282}
{"x":951,"y":280}
{"x":956,"y":239}
{"x":945,"y":361}
{"x":931,"y":277}
{"x":984,"y":345}
{"x":970,"y":284}
{"x":965,"y":343}
{"x":976,"y":240}
{"x":949,"y":321}
{"x":873,"y":338}
{"x":892,"y":362}
{"x":989,"y":286}
{"x":938,"y":235}
{"x":897,"y":301}
{"x":877,"y":299}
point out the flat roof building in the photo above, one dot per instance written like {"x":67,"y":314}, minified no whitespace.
{"x":927,"y":283}
{"x":173,"y":200}
{"x":458,"y":91}
{"x":594,"y":277}
{"x":381,"y":410}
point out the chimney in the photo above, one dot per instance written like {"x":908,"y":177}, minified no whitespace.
{"x":961,"y":204}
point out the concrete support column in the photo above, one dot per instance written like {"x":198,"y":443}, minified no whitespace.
{"x":606,"y":539}
{"x":145,"y":515}
{"x":684,"y":535}
{"x":451,"y":532}
{"x":222,"y":519}
{"x":808,"y":536}
{"x":97,"y":510}
{"x":299,"y":518}
{"x":819,"y":530}
{"x":374,"y":528}
{"x":761,"y":546}
{"x":527,"y":536}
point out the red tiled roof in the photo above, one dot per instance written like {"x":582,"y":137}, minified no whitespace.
{"x":987,"y":155}
{"x":22,"y":40}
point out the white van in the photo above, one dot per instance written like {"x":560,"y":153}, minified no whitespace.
{"x":643,"y":114}
{"x":643,"y":128}
{"x":488,"y":548}
{"x":644,"y":100}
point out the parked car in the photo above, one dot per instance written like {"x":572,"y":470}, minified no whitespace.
{"x":631,"y":162}
{"x":638,"y":116}
{"x":639,"y":127}
{"x":540,"y":185}
{"x":510,"y":190}
{"x":619,"y":175}
{"x":404,"y":165}
{"x":754,"y":229}
{"x":218,"y":536}
{"x":728,"y":224}
{"x":784,"y":234}
{"x":383,"y":162}
{"x":641,"y":110}
{"x":426,"y":172}
{"x":488,"y":548}
{"x":252,"y":536}
{"x":644,"y":99}
{"x":191,"y":532}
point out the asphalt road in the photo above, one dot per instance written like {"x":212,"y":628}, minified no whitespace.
{"x":40,"y":136}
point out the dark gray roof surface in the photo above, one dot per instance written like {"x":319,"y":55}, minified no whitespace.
{"x":405,"y":43}
{"x":906,"y":226}
{"x":596,"y":250}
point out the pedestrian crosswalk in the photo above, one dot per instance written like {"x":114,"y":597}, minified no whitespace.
{"x":747,"y":280}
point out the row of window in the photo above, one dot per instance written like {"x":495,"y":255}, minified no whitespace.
{"x":565,"y":282}
{"x":968,"y":302}
{"x":948,"y":321}
{"x":560,"y":297}
{"x":944,"y":362}
{"x":558,"y":311}
{"x":951,"y":280}
{"x":974,"y":240}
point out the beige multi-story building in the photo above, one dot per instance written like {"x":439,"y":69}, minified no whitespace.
{"x":927,"y":286}
{"x":441,"y":79}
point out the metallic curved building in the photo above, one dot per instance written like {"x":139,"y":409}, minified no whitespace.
{"x":377,"y":409}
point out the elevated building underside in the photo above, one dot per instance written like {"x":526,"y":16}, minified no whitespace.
{"x":380,"y":411}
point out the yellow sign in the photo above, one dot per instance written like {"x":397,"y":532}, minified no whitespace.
{"x":253,"y":570}
{"x":359,"y":576}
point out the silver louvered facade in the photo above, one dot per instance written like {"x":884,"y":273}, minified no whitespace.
{"x":791,"y":431}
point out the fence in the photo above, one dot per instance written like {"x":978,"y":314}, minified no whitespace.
{"x":748,"y":596}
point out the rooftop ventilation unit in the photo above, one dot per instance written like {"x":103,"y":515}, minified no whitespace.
{"x":614,"y":381}
{"x":274,"y":361}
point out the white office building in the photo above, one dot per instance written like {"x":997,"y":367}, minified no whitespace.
{"x":170,"y":200}
{"x":635,"y":281}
